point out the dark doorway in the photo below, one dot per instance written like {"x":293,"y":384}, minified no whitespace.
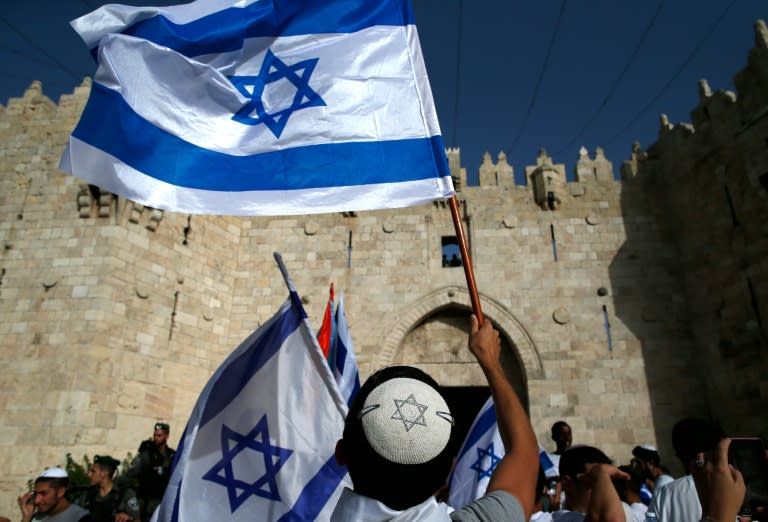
{"x":465,"y":402}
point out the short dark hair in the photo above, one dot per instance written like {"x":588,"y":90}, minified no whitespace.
{"x":162,"y":426}
{"x":399,"y":486}
{"x":691,"y":436}
{"x":574,"y":460}
{"x":647,"y":455}
{"x":107,"y":463}
{"x":635,"y":482}
{"x":556,"y":427}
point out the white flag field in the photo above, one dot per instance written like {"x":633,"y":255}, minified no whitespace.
{"x":255,"y":107}
{"x":259,"y":444}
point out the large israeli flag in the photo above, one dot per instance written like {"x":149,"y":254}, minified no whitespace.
{"x":260,"y":442}
{"x":260,"y":107}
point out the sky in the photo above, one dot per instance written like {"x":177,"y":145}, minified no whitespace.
{"x":512,"y":76}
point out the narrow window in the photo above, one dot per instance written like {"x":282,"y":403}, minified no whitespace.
{"x":451,"y":254}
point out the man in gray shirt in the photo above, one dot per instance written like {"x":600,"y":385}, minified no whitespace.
{"x":49,"y":502}
{"x":398,"y":446}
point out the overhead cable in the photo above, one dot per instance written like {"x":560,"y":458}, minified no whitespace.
{"x":617,"y":81}
{"x":680,"y":70}
{"x":543,"y":70}
{"x":40,"y":49}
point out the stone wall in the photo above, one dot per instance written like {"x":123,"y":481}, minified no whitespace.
{"x":623,"y":305}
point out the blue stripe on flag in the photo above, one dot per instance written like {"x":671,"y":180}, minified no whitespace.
{"x":168,"y":158}
{"x":484,"y":423}
{"x":237,"y":373}
{"x":321,"y":486}
{"x":224,"y":30}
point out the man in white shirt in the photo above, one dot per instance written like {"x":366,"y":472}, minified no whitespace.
{"x":678,"y":500}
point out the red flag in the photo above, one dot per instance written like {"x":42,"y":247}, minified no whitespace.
{"x":325,"y":334}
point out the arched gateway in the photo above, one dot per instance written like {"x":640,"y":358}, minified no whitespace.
{"x":431,"y":334}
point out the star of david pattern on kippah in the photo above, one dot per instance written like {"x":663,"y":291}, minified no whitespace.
{"x":410,"y":412}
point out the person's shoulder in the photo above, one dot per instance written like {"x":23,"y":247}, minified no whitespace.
{"x":496,"y":505}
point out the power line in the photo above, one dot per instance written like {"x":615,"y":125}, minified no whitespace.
{"x":544,"y":66}
{"x":680,"y":70}
{"x":458,"y":74}
{"x":616,"y":82}
{"x":25,"y":55}
{"x":40,"y":49}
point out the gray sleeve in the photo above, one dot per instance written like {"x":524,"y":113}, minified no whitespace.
{"x":497,"y":505}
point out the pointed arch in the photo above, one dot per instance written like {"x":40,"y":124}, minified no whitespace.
{"x":448,"y":296}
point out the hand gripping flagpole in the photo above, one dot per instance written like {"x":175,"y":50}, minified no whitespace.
{"x":466,"y":260}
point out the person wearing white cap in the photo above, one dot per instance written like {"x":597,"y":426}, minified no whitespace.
{"x":648,"y":462}
{"x":49,"y":502}
{"x":399,"y":443}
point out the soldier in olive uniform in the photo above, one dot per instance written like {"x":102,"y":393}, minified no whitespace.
{"x":107,"y":501}
{"x":152,"y":470}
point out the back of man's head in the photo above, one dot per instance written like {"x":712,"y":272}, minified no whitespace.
{"x":691,"y":436}
{"x":398,"y":437}
{"x":575,"y":459}
{"x":647,"y":454}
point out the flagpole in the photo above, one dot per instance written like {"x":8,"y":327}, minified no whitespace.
{"x":466,"y":260}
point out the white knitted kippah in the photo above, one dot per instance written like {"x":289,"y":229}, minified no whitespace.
{"x":53,"y":473}
{"x":406,"y":421}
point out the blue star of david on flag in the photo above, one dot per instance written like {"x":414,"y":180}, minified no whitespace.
{"x":273,"y":70}
{"x":488,"y":456}
{"x":257,"y":440}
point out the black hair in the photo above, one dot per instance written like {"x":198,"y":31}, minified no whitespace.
{"x":399,"y":486}
{"x":574,"y":460}
{"x":107,"y":463}
{"x":634,"y":483}
{"x":691,"y":436}
{"x":647,"y":455}
{"x":556,"y":427}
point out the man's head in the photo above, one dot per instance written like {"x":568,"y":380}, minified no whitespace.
{"x":102,"y":469}
{"x":573,"y":463}
{"x":693,"y":436}
{"x":398,"y":438}
{"x":646,"y":461}
{"x":160,"y":436}
{"x":562,"y":435}
{"x":629,"y":489}
{"x":50,"y":491}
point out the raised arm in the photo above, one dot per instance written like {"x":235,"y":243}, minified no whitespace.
{"x":518,"y":470}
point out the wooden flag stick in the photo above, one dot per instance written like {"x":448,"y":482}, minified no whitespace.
{"x":466,"y":260}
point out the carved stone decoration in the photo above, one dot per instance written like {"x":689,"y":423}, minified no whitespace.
{"x":311,"y":228}
{"x":592,"y":219}
{"x":141,"y":292}
{"x":388,"y":227}
{"x":105,"y":203}
{"x":154,"y":219}
{"x":135,"y":212}
{"x":84,"y":201}
{"x":548,"y":181}
{"x":561,"y":316}
{"x":49,"y":282}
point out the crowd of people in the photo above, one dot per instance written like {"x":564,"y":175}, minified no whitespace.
{"x":131,"y":497}
{"x":397,"y":471}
